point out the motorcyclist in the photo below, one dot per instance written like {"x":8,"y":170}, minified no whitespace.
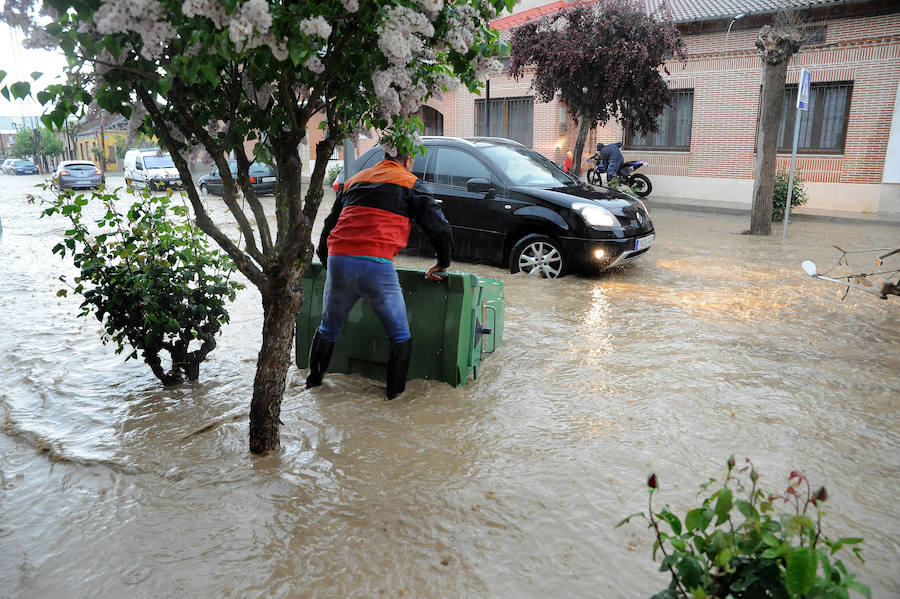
{"x":610,"y":156}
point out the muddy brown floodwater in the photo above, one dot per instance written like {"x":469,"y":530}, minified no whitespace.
{"x":713,"y":344}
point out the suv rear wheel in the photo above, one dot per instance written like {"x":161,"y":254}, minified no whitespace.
{"x":537,"y":255}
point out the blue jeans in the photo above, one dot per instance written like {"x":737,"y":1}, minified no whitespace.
{"x":349,"y":279}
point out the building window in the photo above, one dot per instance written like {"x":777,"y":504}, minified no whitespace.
{"x":512,"y":118}
{"x":823,"y":127}
{"x":434,"y":121}
{"x":674,"y":126}
{"x":814,"y":34}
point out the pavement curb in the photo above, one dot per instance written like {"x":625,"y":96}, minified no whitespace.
{"x":804,"y":215}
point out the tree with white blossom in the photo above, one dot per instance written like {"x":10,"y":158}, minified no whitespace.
{"x":218,"y":73}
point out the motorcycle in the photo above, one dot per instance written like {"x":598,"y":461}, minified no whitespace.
{"x":639,"y":182}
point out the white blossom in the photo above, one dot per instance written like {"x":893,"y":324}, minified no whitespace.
{"x":314,"y":64}
{"x":146,"y":18}
{"x":484,"y":66}
{"x":253,"y":17}
{"x":350,"y":5}
{"x":210,"y":9}
{"x":138,"y":112}
{"x":315,"y":27}
{"x":278,"y":48}
{"x":399,"y":34}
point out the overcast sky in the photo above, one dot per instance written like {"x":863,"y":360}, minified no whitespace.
{"x":20,"y":63}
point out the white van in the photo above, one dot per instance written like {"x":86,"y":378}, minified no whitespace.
{"x":150,"y":168}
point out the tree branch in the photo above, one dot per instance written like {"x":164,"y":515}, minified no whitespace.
{"x":206,"y":224}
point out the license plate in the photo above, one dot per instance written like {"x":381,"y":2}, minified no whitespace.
{"x":266,"y":179}
{"x":642,"y":243}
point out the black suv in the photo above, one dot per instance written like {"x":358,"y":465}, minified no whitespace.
{"x":509,"y":205}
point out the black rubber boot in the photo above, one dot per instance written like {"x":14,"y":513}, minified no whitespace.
{"x":319,"y":357}
{"x":398,"y":367}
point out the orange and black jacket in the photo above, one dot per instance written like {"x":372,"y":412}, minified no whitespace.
{"x":371,"y":216}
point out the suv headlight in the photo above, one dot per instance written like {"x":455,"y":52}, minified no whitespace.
{"x":596,"y":216}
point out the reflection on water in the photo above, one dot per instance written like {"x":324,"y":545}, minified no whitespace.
{"x":711,"y":345}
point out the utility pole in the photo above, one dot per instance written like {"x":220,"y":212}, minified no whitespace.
{"x":102,"y":143}
{"x":37,"y":149}
{"x":69,"y":148}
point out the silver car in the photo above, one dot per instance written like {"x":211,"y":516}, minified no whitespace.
{"x":77,"y":174}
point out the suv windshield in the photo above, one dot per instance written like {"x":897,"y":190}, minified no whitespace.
{"x":153,"y":161}
{"x":526,"y":167}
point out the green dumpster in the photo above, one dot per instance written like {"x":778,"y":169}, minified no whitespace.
{"x":454,"y":322}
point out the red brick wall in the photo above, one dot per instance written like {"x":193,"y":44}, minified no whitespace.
{"x":726,"y":80}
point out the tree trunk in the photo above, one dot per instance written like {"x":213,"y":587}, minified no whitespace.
{"x":767,"y":147}
{"x":584,"y":127}
{"x":281,"y":302}
{"x":776,"y":45}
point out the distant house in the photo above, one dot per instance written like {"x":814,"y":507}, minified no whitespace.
{"x":10,"y":127}
{"x":850,"y":138}
{"x":89,"y":142}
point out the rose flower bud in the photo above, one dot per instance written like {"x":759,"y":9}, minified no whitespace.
{"x":651,"y":482}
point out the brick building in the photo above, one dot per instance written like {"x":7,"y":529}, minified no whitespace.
{"x":849,"y":152}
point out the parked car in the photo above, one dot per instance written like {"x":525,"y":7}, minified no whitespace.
{"x":24,"y":167}
{"x":510,"y":205}
{"x":150,"y":168}
{"x":4,"y":167}
{"x":77,"y":174}
{"x":263,"y":179}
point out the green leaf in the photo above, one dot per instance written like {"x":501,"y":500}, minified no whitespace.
{"x":672,"y":520}
{"x":36,"y":75}
{"x":860,"y":588}
{"x":20,"y":89}
{"x":209,"y":72}
{"x":698,"y":519}
{"x":62,"y":293}
{"x":628,"y":519}
{"x":800,"y":570}
{"x":4,"y":91}
{"x":746,"y":508}
{"x":723,"y":557}
{"x":844,"y":541}
{"x":723,"y":505}
{"x":165,"y":84}
{"x":689,"y":571}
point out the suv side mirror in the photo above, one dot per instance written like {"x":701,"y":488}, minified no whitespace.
{"x":479,"y":185}
{"x":139,"y":164}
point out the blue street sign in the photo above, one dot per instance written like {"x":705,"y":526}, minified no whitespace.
{"x":803,"y":90}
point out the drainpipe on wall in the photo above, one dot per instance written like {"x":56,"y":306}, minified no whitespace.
{"x":487,"y":107}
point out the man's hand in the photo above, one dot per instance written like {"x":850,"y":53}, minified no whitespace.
{"x":433,"y":272}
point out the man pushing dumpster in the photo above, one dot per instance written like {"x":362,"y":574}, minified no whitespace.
{"x":368,"y":225}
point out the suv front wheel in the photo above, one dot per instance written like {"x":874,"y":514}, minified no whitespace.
{"x":537,"y":255}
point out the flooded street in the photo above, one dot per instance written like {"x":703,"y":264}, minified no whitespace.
{"x":714,"y":343}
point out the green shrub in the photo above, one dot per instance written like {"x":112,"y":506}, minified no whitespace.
{"x":715,"y":553}
{"x":779,"y":196}
{"x":332,"y":174}
{"x":150,"y":278}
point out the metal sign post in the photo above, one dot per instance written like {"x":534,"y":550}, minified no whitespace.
{"x":802,"y":104}
{"x":349,"y":159}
